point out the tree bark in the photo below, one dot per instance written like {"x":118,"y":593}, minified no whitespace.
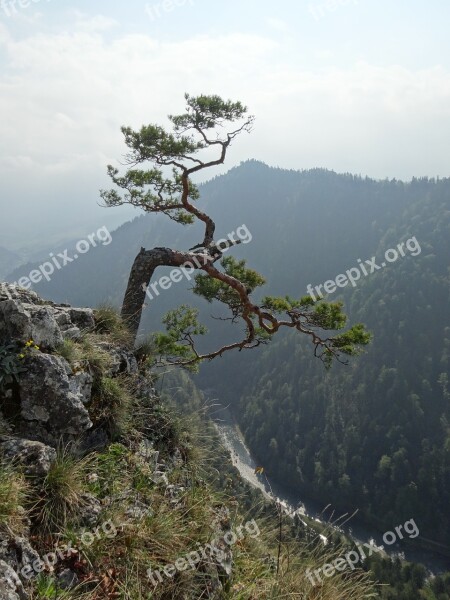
{"x":141,"y":274}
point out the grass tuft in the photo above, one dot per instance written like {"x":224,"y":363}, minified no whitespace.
{"x":61,"y":494}
{"x":109,"y":322}
{"x":14,"y":492}
{"x":112,"y":406}
{"x":70,"y":351}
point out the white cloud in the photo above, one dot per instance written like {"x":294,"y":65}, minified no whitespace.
{"x":84,"y":22}
{"x":278,"y":24}
{"x":64,"y":96}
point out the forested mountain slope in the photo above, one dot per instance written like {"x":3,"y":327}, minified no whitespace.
{"x":375,"y":434}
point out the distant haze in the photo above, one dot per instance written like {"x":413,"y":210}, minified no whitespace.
{"x":360,"y":87}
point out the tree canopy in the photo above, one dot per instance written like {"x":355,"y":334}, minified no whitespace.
{"x":199,"y":139}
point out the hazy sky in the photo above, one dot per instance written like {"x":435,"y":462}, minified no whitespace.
{"x":360,"y":86}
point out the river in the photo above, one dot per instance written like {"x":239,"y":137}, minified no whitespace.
{"x":242,"y":459}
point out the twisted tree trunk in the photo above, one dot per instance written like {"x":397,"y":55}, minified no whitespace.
{"x":141,"y":274}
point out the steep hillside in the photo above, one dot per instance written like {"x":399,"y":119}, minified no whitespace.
{"x":376,"y":435}
{"x":105,"y":493}
{"x":362,"y":436}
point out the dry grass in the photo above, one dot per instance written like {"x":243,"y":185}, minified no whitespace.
{"x":60,"y":496}
{"x":108,"y":322}
{"x":14,"y":493}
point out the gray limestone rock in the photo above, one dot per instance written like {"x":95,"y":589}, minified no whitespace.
{"x":89,"y":510}
{"x":35,"y":457}
{"x":73,"y":321}
{"x":123,"y":361}
{"x":11,"y":587}
{"x":16,"y":552}
{"x":22,"y":322}
{"x":25,"y":316}
{"x":67,"y":579}
{"x":50,"y":400}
